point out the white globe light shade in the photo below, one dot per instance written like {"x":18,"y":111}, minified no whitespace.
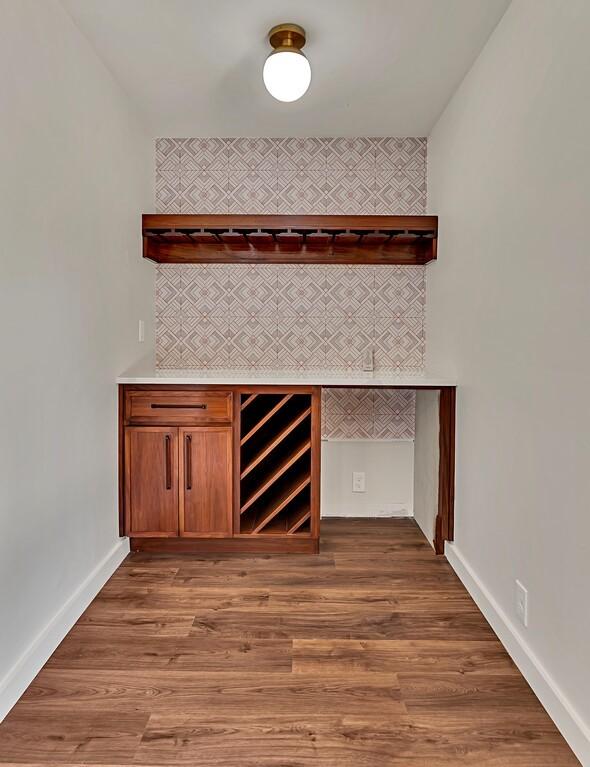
{"x":286,"y":75}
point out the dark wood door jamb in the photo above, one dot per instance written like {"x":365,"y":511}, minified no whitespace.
{"x":444,"y":530}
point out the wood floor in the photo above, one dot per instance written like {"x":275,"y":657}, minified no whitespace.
{"x":370,"y":654}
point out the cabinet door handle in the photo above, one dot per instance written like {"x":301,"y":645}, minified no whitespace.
{"x":168,"y":462}
{"x":188,"y":462}
{"x":174,"y":406}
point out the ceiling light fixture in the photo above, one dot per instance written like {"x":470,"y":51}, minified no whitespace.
{"x":286,"y":72}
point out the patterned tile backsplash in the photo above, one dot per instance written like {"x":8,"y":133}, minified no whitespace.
{"x":282,"y":316}
{"x":368,"y":413}
{"x":297,"y":316}
{"x":291,"y":175}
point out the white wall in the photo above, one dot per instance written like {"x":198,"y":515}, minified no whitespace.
{"x":509,"y":313}
{"x":426,"y":460}
{"x":75,"y":175}
{"x":389,"y":474}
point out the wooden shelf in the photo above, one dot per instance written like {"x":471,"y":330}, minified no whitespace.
{"x":298,"y":514}
{"x":273,"y":507}
{"x":265,"y":418}
{"x":183,"y":239}
{"x":278,"y":464}
{"x":275,"y":442}
{"x":277,"y":472}
{"x":299,"y":521}
{"x":280,"y":525}
{"x":248,"y":401}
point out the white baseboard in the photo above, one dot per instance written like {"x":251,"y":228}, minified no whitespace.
{"x":559,"y":708}
{"x":40,"y":649}
{"x":383,"y":511}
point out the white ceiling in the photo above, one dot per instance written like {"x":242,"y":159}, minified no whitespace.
{"x":379,"y":67}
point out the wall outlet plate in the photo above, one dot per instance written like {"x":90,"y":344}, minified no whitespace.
{"x":141,"y":331}
{"x":522,"y":603}
{"x":368,"y":359}
{"x":358,"y":482}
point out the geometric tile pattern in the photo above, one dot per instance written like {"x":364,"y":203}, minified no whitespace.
{"x":252,"y":342}
{"x":351,"y":192}
{"x":291,"y":175}
{"x":204,"y":290}
{"x":252,"y":191}
{"x":206,"y":191}
{"x":352,"y":414}
{"x":399,"y":291}
{"x":204,"y":342}
{"x":168,"y":342}
{"x":168,"y":291}
{"x":306,"y":316}
{"x":252,"y":154}
{"x":350,"y":291}
{"x":168,"y":191}
{"x":297,"y":316}
{"x":301,"y":191}
{"x":353,"y":154}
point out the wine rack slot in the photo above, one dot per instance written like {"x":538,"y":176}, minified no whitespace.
{"x":264,"y":418}
{"x":266,"y":449}
{"x":248,"y":401}
{"x":277,"y":455}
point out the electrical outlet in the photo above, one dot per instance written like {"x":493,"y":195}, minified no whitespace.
{"x":368,"y":359}
{"x":522,"y":603}
{"x":141,"y":331}
{"x":358,"y":482}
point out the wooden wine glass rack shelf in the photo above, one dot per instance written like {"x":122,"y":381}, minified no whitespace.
{"x":403,"y":240}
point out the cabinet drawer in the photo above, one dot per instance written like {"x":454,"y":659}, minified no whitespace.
{"x":181,"y":408}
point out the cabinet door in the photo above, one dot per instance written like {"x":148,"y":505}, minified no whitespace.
{"x":151,"y":481}
{"x":206,"y":482}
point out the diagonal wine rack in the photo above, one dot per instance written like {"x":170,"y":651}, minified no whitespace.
{"x":276,"y":461}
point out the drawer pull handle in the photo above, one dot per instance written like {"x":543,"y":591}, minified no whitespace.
{"x":168,"y":462}
{"x":188,"y":462}
{"x":169,"y":406}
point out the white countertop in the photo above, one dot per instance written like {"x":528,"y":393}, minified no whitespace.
{"x":146,"y":373}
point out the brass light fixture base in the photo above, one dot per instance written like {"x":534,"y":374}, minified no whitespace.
{"x":285,"y":36}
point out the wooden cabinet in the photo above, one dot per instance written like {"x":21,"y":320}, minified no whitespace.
{"x":178,"y":481}
{"x":151,"y":481}
{"x":177,"y":463}
{"x":205,"y":482}
{"x":279,"y":467}
{"x":220,"y":468}
{"x":178,"y":408}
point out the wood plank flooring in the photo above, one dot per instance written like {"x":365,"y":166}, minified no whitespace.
{"x":371,"y":654}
